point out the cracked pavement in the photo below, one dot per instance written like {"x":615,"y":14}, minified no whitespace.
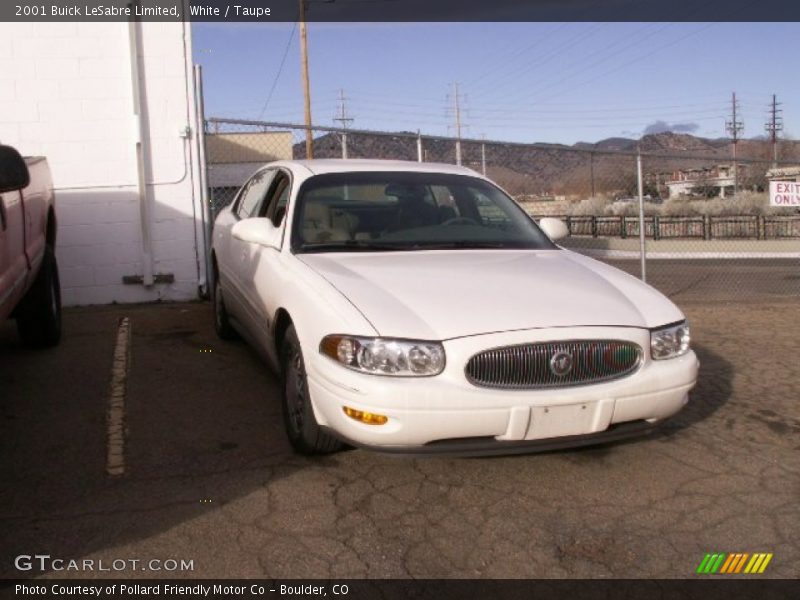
{"x":211,"y":478}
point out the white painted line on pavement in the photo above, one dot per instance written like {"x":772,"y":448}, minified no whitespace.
{"x":115,"y":420}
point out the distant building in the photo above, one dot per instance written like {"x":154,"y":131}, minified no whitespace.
{"x":705,"y":181}
{"x":233,"y":157}
{"x":789,"y":173}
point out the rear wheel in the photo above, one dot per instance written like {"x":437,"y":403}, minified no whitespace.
{"x":302,"y":428}
{"x":39,"y":314}
{"x":222,"y":324}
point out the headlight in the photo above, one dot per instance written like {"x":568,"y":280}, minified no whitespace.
{"x":382,"y":356}
{"x":670,"y":342}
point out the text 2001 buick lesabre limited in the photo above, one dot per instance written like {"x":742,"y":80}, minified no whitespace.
{"x":416,"y":307}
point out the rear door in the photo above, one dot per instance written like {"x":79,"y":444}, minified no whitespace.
{"x":13,"y":262}
{"x":234,"y":277}
{"x":260,"y":265}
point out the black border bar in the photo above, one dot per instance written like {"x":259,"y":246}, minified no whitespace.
{"x":709,"y":588}
{"x":271,"y":11}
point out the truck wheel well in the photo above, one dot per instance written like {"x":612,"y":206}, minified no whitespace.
{"x":50,"y":232}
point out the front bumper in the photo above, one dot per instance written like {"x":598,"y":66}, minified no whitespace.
{"x":448,"y":414}
{"x":488,"y":446}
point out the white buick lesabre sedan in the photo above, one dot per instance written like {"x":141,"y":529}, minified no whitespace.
{"x":415,"y":307}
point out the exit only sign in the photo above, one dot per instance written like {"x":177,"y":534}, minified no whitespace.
{"x":784,"y":193}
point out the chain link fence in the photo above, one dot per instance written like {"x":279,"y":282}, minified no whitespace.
{"x":709,"y":232}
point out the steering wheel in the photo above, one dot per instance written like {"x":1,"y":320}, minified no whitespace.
{"x":459,"y":221}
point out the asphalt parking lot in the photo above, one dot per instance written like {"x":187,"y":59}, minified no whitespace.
{"x":209,"y":476}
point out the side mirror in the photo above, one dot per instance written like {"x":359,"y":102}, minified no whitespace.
{"x":555,"y":229}
{"x":13,"y":170}
{"x":259,"y":231}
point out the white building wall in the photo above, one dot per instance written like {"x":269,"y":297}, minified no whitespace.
{"x":66,"y":93}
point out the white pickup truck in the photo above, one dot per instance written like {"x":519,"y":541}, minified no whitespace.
{"x":29,"y":286}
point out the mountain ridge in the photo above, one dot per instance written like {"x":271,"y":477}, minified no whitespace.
{"x":583,"y":169}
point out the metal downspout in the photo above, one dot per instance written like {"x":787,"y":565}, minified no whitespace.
{"x":205,"y":207}
{"x":142,"y":156}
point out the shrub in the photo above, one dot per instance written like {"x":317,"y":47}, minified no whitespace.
{"x":631,"y":209}
{"x":743,"y":203}
{"x":589,"y":207}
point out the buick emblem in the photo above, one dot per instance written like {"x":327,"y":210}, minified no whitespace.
{"x":561,"y":363}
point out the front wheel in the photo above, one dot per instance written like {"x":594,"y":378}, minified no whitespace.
{"x":222,"y":324}
{"x":302,"y":428}
{"x":39,"y":314}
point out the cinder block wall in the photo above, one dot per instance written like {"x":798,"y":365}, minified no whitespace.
{"x":66,"y":93}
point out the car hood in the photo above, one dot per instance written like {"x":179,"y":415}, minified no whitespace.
{"x":444,"y":294}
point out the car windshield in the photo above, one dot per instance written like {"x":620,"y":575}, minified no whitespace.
{"x":395,"y":211}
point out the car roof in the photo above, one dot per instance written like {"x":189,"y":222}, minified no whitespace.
{"x":338,"y":165}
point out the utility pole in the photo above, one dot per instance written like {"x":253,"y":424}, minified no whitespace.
{"x":483,"y":155}
{"x":735,"y":127}
{"x":344,"y":120}
{"x":642,"y":232}
{"x":774,"y":126}
{"x":306,"y":84}
{"x":457,"y":108}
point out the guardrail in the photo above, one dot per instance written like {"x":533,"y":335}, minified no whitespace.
{"x":703,"y":227}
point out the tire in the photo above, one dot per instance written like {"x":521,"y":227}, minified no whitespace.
{"x":39,"y":313}
{"x":302,"y":428}
{"x":222,"y":324}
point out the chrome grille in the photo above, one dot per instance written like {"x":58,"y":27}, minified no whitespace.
{"x":542,"y":365}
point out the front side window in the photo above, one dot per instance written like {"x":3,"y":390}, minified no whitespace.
{"x":275,"y":206}
{"x":408,"y":211}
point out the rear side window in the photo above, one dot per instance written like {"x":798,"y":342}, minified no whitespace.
{"x":254,"y":193}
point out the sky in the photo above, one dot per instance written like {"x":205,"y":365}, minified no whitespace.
{"x":524,"y":82}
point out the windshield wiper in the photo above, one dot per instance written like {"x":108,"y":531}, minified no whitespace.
{"x":353,"y":246}
{"x":461,"y":245}
{"x":364,"y":246}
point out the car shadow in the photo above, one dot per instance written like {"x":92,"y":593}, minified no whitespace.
{"x":713,"y":390}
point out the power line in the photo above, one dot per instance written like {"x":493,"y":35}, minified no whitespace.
{"x":493,"y":70}
{"x":518,"y":116}
{"x":492,"y":78}
{"x":640,"y":58}
{"x":278,"y":74}
{"x":633,"y":42}
{"x":513,"y":76}
{"x":391,"y":99}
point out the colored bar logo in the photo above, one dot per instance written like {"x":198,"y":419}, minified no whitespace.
{"x":734,"y":563}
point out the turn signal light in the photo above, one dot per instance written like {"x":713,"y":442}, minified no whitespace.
{"x":365,"y":417}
